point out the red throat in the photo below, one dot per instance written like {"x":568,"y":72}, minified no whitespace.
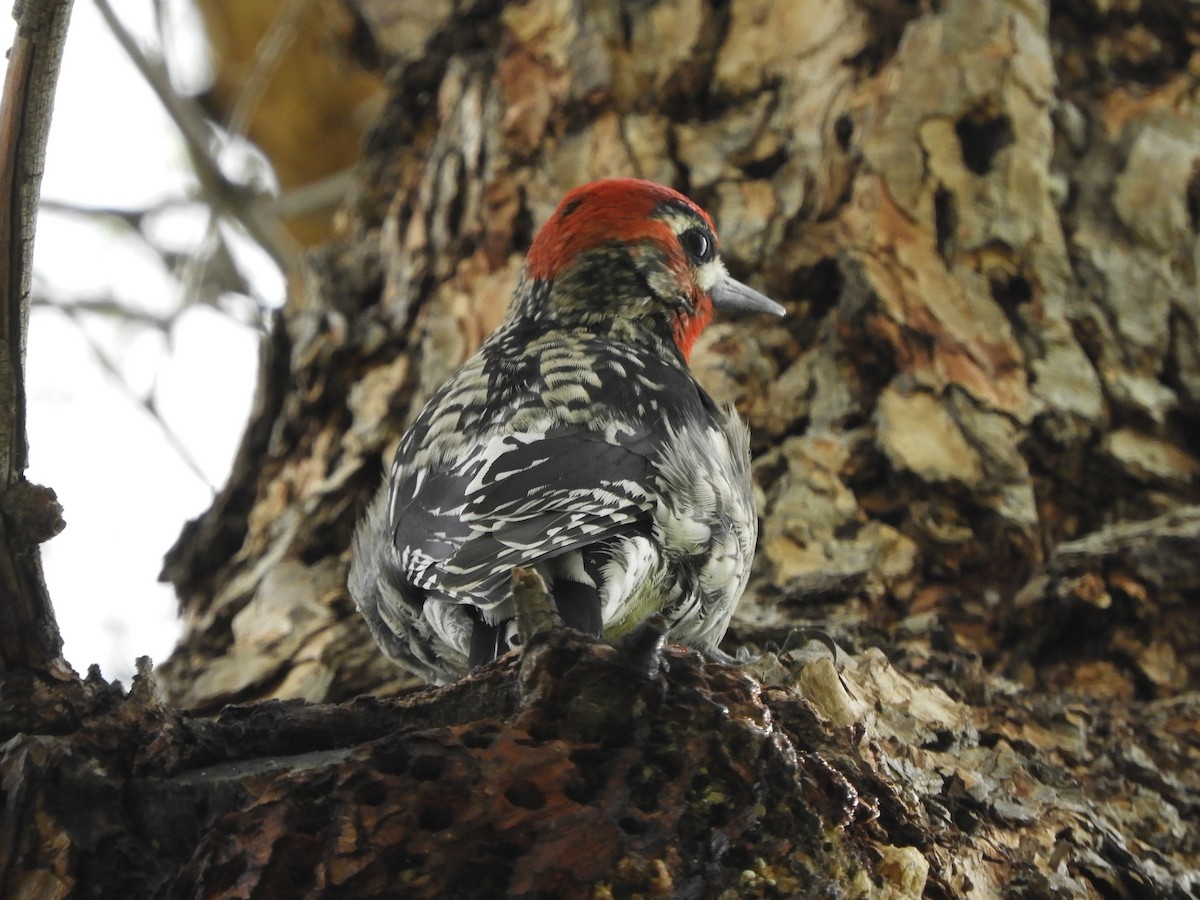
{"x":687,"y":327}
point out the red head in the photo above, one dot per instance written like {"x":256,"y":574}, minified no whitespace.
{"x":630,"y":248}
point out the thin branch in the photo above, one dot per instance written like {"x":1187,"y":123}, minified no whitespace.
{"x":319,"y":195}
{"x":207,"y":273}
{"x":255,"y":213}
{"x":271,"y":48}
{"x":195,"y":270}
{"x":232,"y":199}
{"x":145,"y":401}
{"x":131,"y":217}
{"x":280,"y":35}
{"x":108,"y":307}
{"x":29,"y":637}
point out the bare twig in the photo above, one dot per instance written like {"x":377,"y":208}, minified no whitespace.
{"x":281,"y":33}
{"x":319,"y":195}
{"x":236,"y":201}
{"x":109,"y":307}
{"x":134,"y":218}
{"x":207,"y":272}
{"x":131,"y":218}
{"x":254,"y":213}
{"x":146,"y":401}
{"x":133,"y":221}
{"x":29,"y":638}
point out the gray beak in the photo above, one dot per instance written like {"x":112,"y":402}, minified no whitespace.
{"x":731,"y":294}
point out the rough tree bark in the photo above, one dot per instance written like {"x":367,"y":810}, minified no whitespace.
{"x":976,"y":437}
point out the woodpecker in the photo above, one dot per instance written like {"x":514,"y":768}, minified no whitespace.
{"x":575,"y":442}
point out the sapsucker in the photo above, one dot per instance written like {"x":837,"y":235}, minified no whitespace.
{"x":575,"y":442}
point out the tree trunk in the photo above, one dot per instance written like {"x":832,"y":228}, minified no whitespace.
{"x":976,"y":436}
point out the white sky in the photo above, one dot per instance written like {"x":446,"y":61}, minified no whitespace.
{"x":126,"y":493}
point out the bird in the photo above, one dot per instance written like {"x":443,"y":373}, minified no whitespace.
{"x":576,"y":442}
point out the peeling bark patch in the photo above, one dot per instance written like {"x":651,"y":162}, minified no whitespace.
{"x":981,"y":138}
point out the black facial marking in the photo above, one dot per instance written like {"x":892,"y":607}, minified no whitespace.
{"x":676,"y":205}
{"x":684,"y":304}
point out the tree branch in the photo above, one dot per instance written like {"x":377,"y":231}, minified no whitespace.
{"x":29,"y":638}
{"x":147,"y":401}
{"x":241,"y":204}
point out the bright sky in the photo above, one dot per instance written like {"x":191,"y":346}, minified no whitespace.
{"x":126,"y":493}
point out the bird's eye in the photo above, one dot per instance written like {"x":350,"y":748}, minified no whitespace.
{"x":698,"y":244}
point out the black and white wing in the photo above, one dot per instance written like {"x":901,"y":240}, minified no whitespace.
{"x":515,"y":500}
